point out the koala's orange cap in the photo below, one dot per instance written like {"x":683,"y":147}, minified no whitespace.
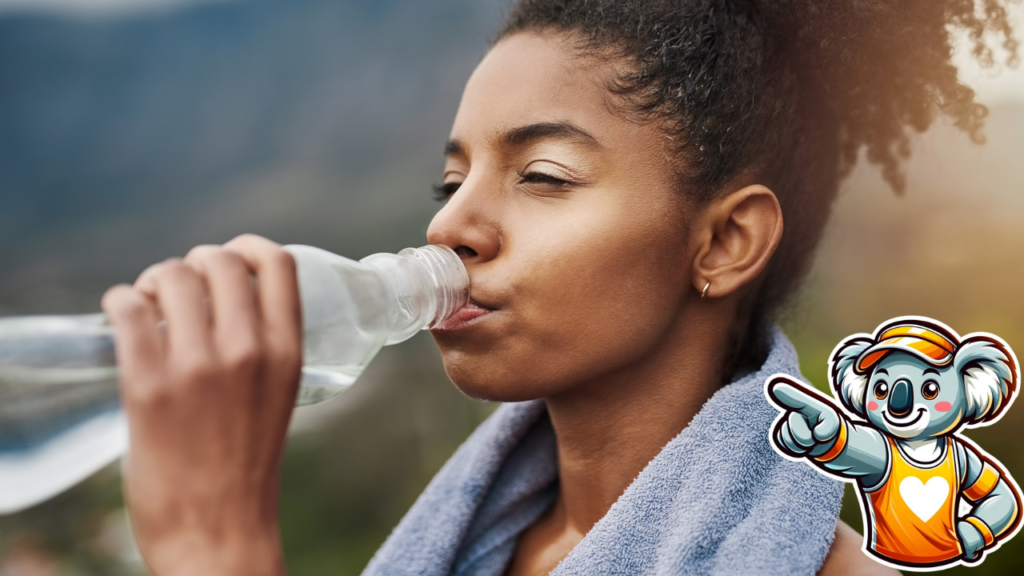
{"x":930,"y":343}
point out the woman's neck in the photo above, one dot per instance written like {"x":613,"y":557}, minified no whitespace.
{"x":609,"y":428}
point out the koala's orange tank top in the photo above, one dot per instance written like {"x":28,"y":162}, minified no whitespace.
{"x":914,"y":511}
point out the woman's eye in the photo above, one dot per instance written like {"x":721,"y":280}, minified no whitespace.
{"x":541,"y":178}
{"x":881,"y":389}
{"x":444,"y":191}
{"x":930,"y":390}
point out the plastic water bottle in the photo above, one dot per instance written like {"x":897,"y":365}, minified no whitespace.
{"x":60,"y":416}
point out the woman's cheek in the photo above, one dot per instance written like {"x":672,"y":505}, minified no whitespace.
{"x":594,"y":307}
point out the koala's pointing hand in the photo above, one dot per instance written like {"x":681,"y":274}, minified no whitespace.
{"x":810,"y":424}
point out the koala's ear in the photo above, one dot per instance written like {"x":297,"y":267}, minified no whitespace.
{"x":989,"y":377}
{"x":849,"y":386}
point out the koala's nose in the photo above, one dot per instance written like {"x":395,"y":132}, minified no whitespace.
{"x":901,"y":398}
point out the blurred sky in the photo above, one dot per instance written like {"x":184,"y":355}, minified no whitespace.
{"x":97,"y":7}
{"x":994,"y":85}
{"x":998,"y":84}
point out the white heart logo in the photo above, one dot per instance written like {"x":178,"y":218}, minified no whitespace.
{"x":924,"y":500}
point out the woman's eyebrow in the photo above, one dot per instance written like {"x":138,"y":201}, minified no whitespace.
{"x":454,"y":147}
{"x":523,"y":135}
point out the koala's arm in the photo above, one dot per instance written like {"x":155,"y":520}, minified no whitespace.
{"x":864,"y":456}
{"x":812,"y":427}
{"x":996,"y":501}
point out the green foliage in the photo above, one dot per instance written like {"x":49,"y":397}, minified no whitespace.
{"x":75,"y":532}
{"x":348,"y":483}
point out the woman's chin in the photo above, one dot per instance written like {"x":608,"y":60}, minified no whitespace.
{"x":494,"y":390}
{"x":488,"y":384}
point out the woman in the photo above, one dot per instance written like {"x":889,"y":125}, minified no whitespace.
{"x":617,"y":178}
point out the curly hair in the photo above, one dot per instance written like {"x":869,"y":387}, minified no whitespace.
{"x":784,"y":92}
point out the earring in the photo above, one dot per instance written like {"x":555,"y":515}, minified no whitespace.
{"x":704,"y":292}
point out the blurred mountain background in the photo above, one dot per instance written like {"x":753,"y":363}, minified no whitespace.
{"x":131,"y":130}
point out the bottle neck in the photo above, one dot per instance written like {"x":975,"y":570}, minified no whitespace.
{"x":427,"y":285}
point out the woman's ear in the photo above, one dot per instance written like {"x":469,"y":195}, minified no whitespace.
{"x":737,"y":234}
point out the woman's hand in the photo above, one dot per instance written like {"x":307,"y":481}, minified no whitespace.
{"x":208,"y":400}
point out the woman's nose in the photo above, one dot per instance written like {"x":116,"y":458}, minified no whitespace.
{"x":901,"y":399}
{"x":468,"y":223}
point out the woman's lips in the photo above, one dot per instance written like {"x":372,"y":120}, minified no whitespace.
{"x":467,"y":314}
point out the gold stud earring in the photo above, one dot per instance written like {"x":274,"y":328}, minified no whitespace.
{"x":704,"y":292}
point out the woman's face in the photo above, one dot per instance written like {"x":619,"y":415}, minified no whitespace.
{"x":569,"y":220}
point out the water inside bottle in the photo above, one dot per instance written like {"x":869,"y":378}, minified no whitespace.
{"x":62,"y":424}
{"x":57,"y":426}
{"x":320,"y":383}
{"x":61,"y":417}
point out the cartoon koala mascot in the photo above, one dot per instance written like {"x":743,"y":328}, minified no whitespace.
{"x":929,"y":497}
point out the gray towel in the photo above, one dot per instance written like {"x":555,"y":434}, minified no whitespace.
{"x":716,"y":500}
